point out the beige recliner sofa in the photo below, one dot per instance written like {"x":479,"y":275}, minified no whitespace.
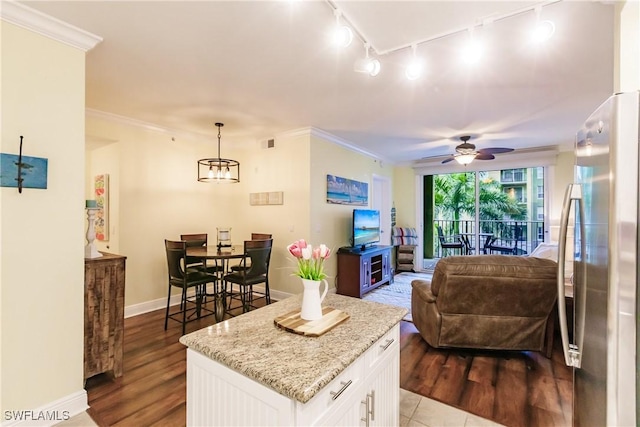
{"x":496,"y":302}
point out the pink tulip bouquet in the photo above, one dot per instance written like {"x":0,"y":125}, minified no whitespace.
{"x":309,"y":259}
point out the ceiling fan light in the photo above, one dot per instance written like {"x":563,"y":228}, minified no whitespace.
{"x":465,"y":159}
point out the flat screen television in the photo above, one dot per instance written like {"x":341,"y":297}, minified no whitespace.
{"x":366,"y":227}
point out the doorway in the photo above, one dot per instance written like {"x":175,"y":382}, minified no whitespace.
{"x":491,"y":211}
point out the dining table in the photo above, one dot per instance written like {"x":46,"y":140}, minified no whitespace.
{"x":221,"y":255}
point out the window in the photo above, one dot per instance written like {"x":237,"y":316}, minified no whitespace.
{"x":513,"y":175}
{"x":508,"y":199}
{"x":516,"y":193}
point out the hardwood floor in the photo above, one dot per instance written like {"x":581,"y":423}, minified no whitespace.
{"x":520,"y":389}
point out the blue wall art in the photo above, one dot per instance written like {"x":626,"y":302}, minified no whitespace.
{"x":33,"y":171}
{"x":343,"y":191}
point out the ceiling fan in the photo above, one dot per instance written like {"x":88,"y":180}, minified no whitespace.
{"x":466,"y":152}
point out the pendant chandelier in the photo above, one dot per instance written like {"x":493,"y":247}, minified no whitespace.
{"x":218,"y":169}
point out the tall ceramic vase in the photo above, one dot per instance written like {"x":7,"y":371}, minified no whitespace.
{"x":312,"y":300}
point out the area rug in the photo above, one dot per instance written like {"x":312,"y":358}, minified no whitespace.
{"x":397,"y":293}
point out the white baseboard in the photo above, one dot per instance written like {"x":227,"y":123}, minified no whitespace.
{"x":147,"y":306}
{"x":50,"y":414}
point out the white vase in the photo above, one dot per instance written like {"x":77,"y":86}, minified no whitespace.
{"x":312,"y":300}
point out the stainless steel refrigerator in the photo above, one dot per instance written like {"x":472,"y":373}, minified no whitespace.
{"x":603,"y":201}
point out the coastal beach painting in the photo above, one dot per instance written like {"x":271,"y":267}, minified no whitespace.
{"x":343,"y":191}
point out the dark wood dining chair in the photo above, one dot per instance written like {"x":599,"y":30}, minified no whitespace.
{"x":258,"y":252}
{"x":185,"y":279}
{"x":195,"y":240}
{"x":254,"y":236}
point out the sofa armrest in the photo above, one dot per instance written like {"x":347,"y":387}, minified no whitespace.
{"x":423,"y":288}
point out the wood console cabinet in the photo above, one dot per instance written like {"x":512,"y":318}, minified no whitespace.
{"x":103,"y":314}
{"x":362,"y":271}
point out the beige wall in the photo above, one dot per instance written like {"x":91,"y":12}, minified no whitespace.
{"x":282,"y":168}
{"x":154,"y":195}
{"x":42,"y":256}
{"x":330,"y":223}
{"x":404,"y":196}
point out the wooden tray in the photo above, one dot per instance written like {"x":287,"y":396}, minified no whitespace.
{"x":292,"y":322}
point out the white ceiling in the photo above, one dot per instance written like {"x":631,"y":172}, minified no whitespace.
{"x":267,"y":67}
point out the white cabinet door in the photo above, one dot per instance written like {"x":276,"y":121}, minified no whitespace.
{"x":384,"y":393}
{"x":349,"y":416}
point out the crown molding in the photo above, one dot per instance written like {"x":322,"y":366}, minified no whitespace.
{"x":319,"y":133}
{"x":343,"y":143}
{"x":48,"y":26}
{"x":127,"y":121}
{"x":307,"y":131}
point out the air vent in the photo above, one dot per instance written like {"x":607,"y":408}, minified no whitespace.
{"x":268,"y":143}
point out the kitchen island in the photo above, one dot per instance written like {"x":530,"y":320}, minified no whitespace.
{"x":247,"y":371}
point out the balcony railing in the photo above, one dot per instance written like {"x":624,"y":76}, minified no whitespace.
{"x":520,"y":236}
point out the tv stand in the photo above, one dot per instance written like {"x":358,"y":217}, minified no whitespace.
{"x":363,"y":270}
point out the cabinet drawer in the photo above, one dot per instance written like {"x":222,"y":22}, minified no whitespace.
{"x":389,"y":343}
{"x":341,"y":390}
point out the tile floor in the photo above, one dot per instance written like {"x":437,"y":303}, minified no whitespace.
{"x":81,"y":420}
{"x":419,"y":411}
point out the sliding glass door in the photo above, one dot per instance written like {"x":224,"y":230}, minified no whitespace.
{"x":495,"y":211}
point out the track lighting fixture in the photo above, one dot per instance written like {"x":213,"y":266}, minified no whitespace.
{"x":367,"y":65}
{"x":414,"y":68}
{"x":543,"y":30}
{"x":472,"y":52}
{"x":342,"y":36}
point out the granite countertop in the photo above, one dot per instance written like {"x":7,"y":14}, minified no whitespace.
{"x":294,"y":365}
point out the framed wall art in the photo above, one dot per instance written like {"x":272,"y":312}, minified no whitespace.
{"x":343,"y":191}
{"x":101,"y":185}
{"x":33,"y":171}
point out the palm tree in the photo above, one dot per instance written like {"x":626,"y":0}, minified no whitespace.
{"x":454,"y":195}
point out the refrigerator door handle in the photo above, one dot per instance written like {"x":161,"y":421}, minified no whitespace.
{"x":571,"y":351}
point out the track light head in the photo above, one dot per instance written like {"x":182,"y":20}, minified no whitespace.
{"x":414,"y":69}
{"x":342,"y":35}
{"x":543,"y":31}
{"x":472,"y":52}
{"x":369,"y":66}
